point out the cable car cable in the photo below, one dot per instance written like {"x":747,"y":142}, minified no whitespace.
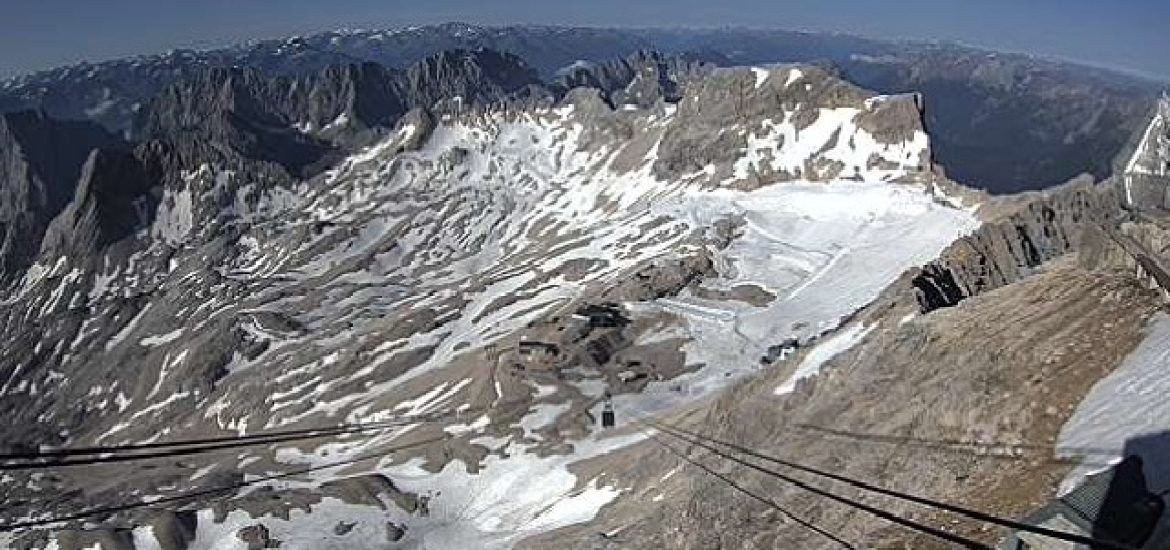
{"x":198,"y":446}
{"x":734,"y":485}
{"x":883,"y":514}
{"x":970,"y":513}
{"x":204,"y":492}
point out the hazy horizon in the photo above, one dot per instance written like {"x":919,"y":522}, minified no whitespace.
{"x":37,"y":37}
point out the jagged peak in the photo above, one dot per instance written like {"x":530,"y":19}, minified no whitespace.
{"x":477,"y":59}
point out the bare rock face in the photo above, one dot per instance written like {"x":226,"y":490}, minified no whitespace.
{"x":298,"y":121}
{"x":479,"y":76}
{"x":41,"y":161}
{"x":894,"y":118}
{"x":730,"y":110}
{"x":665,"y":278}
{"x":257,"y":537}
{"x":642,"y":79}
{"x":227,"y":112}
{"x":1002,"y":252}
{"x":370,"y":490}
{"x":110,"y":203}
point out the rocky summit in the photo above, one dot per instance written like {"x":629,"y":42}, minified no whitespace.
{"x":495,"y":280}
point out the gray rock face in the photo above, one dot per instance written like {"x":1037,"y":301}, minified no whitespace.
{"x":257,"y":537}
{"x":298,"y":122}
{"x":641,"y":79}
{"x":477,"y":77}
{"x":40,"y":162}
{"x":727,"y":106}
{"x":1005,"y":251}
{"x":232,"y":111}
{"x":110,"y":203}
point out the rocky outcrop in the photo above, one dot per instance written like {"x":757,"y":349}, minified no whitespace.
{"x":641,"y":79}
{"x":298,"y":122}
{"x":763,"y":109}
{"x":257,"y":537}
{"x":228,"y":112}
{"x":40,"y":162}
{"x":1005,"y":251}
{"x":476,"y":77}
{"x":660,"y":279}
{"x":110,"y":203}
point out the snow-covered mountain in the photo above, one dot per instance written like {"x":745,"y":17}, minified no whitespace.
{"x":1002,"y":122}
{"x":517,"y":261}
{"x":758,"y":252}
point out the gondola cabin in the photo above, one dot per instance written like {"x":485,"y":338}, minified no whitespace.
{"x":607,"y":417}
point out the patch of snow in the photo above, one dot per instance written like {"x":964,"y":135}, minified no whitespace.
{"x":126,"y":330}
{"x":1135,"y":165}
{"x":822,"y":353}
{"x":161,"y":339}
{"x":304,"y":127}
{"x":342,"y":120}
{"x":543,"y":415}
{"x":145,"y":539}
{"x":761,"y":76}
{"x":313,"y":529}
{"x":477,"y":425}
{"x":509,"y":499}
{"x":203,"y":471}
{"x":175,"y":217}
{"x":101,"y":107}
{"x":1121,"y":408}
{"x":433,"y":399}
{"x":794,"y":74}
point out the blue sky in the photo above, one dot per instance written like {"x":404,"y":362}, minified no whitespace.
{"x":1126,"y":34}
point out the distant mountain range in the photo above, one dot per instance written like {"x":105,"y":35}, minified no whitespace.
{"x":1002,"y":122}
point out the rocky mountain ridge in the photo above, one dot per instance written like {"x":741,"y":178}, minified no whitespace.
{"x":42,"y":161}
{"x":1044,"y":121}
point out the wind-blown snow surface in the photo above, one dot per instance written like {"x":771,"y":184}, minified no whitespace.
{"x":398,"y":266}
{"x":1122,"y":408}
{"x":825,"y":251}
